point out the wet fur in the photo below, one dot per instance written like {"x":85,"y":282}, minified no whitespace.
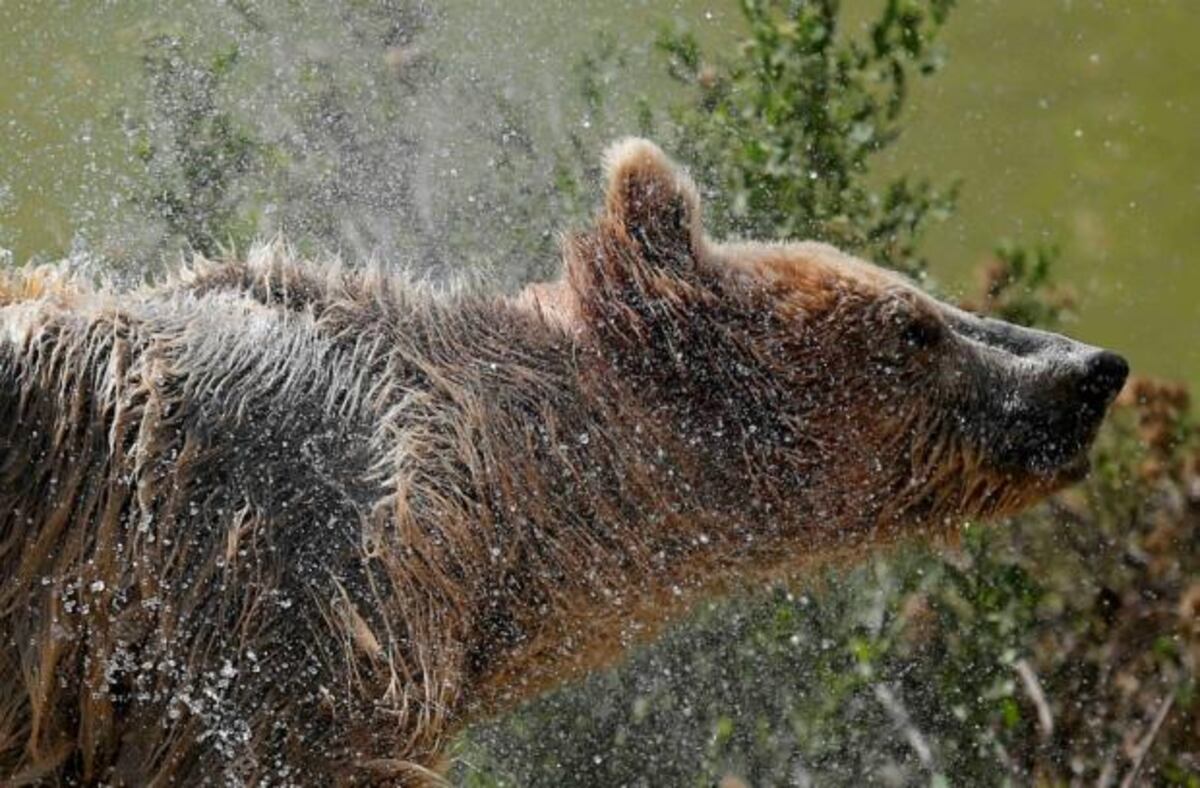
{"x":278,"y":522}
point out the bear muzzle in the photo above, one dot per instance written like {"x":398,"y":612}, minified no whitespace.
{"x":1104,"y":373}
{"x":1041,"y":396}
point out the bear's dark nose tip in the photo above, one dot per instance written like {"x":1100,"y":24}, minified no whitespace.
{"x":1105,"y":374}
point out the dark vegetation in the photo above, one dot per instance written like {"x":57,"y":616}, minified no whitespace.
{"x":1060,"y":648}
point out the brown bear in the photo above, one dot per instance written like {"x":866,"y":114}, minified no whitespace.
{"x":269,"y":523}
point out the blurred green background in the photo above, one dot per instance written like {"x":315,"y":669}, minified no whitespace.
{"x":1070,"y":122}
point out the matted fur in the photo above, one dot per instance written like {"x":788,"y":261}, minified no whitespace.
{"x":276,"y":523}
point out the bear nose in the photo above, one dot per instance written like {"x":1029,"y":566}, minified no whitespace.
{"x":1104,"y":375}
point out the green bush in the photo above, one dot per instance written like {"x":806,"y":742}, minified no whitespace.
{"x":196,"y":153}
{"x":784,"y":134}
{"x":314,"y":127}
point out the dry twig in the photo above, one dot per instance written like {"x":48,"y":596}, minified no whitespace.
{"x":1033,"y":689}
{"x":1148,"y":740}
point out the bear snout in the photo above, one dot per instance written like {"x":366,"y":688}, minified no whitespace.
{"x":1056,"y":394}
{"x":1104,"y":375}
{"x":1066,"y":413}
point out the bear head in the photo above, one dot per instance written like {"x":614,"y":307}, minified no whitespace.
{"x":810,"y":382}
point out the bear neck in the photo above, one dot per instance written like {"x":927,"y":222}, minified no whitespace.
{"x":588,"y":505}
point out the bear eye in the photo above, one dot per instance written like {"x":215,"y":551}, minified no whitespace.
{"x":921,"y":331}
{"x":910,"y":327}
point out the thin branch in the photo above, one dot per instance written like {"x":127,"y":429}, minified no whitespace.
{"x":900,"y":717}
{"x":1033,"y":689}
{"x":1109,"y":772}
{"x":1148,"y":741}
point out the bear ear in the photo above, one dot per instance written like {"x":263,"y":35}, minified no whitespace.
{"x":652,"y":200}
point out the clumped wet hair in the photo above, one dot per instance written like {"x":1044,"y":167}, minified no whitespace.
{"x":278,"y":522}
